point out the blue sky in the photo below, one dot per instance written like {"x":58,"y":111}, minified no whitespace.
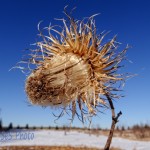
{"x":130,"y":20}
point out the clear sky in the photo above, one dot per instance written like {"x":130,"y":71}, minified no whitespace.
{"x":130,"y":20}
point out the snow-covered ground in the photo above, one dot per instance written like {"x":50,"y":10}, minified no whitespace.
{"x":72,"y":138}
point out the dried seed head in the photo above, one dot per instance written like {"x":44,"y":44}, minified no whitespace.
{"x":59,"y":80}
{"x":74,"y":68}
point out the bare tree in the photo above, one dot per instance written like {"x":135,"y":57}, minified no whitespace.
{"x":1,"y":123}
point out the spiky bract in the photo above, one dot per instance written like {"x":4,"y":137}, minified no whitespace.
{"x":74,"y":68}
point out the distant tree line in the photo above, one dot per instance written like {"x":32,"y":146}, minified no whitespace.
{"x":119,"y":128}
{"x":10,"y":126}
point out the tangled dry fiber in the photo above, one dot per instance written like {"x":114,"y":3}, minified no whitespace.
{"x":74,"y":71}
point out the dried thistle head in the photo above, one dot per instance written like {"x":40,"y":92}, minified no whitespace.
{"x":74,"y":69}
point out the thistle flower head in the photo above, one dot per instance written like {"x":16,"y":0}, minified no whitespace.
{"x":74,"y":69}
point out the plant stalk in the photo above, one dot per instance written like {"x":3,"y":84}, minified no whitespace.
{"x":113,"y":124}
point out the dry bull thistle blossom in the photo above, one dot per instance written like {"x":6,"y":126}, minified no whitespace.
{"x":74,"y":69}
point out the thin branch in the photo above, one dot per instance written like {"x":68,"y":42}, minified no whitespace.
{"x":113,"y":124}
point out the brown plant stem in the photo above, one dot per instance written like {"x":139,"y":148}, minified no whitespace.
{"x":113,"y":124}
